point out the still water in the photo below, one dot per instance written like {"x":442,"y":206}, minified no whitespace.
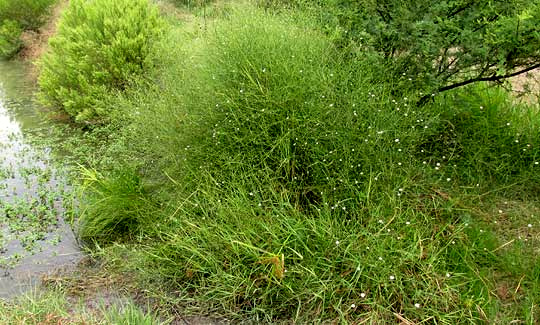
{"x":35,"y":238}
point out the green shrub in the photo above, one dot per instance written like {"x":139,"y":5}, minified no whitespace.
{"x":99,"y":47}
{"x":10,"y":42}
{"x":29,"y":14}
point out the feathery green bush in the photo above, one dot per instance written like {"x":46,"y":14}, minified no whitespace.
{"x":99,"y":47}
{"x":10,"y":42}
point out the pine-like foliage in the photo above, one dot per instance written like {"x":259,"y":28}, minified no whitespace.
{"x":100,"y":46}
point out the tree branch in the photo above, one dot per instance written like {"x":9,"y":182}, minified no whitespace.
{"x":425,"y":98}
{"x":491,"y":78}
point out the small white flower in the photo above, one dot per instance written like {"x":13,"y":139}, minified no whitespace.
{"x":380,"y":258}
{"x":529,"y":225}
{"x":392,"y":277}
{"x":337,"y":242}
{"x":417,"y":305}
{"x":448,"y":179}
{"x":408,"y":223}
{"x":500,"y":211}
{"x":363,"y":295}
{"x":353,"y":306}
{"x":447,"y":275}
{"x":396,"y":140}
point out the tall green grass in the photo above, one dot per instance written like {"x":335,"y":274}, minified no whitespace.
{"x":115,"y":207}
{"x":286,"y":182}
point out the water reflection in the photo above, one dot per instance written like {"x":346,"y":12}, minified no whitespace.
{"x":34,"y":238}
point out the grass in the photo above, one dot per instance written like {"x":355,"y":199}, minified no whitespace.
{"x":267,"y":176}
{"x":56,"y":307}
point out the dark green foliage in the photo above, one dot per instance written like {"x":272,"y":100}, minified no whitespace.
{"x":99,"y":47}
{"x":439,"y":44}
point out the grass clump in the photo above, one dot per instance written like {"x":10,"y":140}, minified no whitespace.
{"x":99,"y":47}
{"x":485,"y":137}
{"x":115,"y":207}
{"x":288,"y":182}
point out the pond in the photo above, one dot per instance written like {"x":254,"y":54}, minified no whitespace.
{"x":35,"y":237}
